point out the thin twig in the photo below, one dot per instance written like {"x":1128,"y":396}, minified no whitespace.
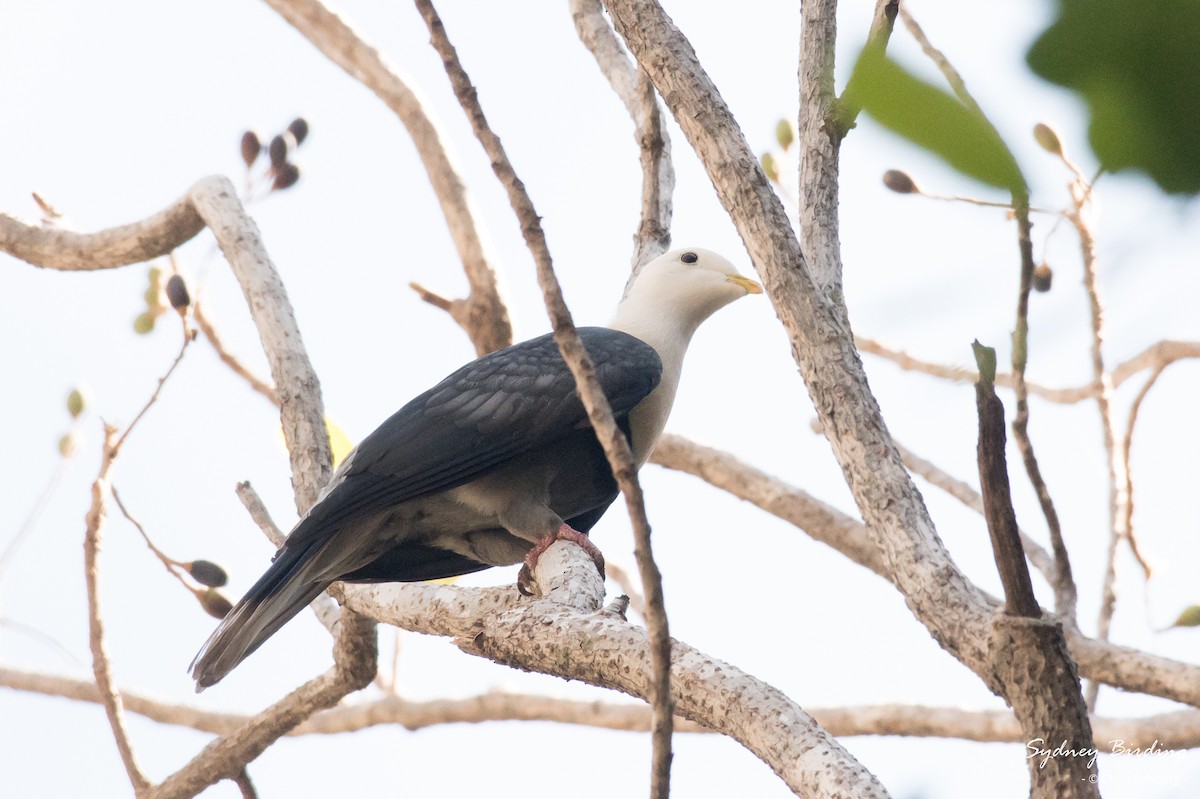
{"x":616,"y":448}
{"x":1126,"y":449}
{"x":1118,"y":480}
{"x":1156,"y":356}
{"x":242,"y":781}
{"x":636,"y":92}
{"x":483,"y":314}
{"x":1064,"y":582}
{"x":323,"y":606}
{"x":210,"y":332}
{"x":169,"y":563}
{"x":162,"y":381}
{"x":968,"y":496}
{"x":101,"y":666}
{"x":39,"y":506}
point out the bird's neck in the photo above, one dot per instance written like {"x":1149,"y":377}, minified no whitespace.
{"x":670,"y":338}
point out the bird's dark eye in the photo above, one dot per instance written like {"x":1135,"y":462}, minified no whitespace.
{"x":689,"y":257}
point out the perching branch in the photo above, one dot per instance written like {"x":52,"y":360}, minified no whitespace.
{"x":483,"y":313}
{"x":612,"y":440}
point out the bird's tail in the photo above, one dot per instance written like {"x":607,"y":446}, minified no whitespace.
{"x":282,"y":592}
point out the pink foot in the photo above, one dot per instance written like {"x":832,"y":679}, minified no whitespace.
{"x":563,"y":533}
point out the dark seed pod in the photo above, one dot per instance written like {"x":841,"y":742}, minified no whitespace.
{"x":207,"y":573}
{"x":286,"y":175}
{"x":900,"y":182}
{"x":1047,"y":138}
{"x":251,"y":147}
{"x":1043,"y":276}
{"x":299,"y":130}
{"x":278,"y":150}
{"x":177,"y":293}
{"x":214,"y":603}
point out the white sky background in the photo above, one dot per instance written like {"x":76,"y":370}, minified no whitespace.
{"x":112,"y":110}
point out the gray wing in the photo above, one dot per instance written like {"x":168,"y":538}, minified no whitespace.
{"x":508,"y":403}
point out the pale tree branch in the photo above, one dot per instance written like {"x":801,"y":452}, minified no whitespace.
{"x":1155,"y":357}
{"x":483,"y":313}
{"x":1118,"y":478}
{"x":214,"y":201}
{"x":567,"y":634}
{"x":101,"y":666}
{"x":1118,"y":666}
{"x":57,"y":248}
{"x":612,"y":440}
{"x":1174,"y":730}
{"x":939,"y":594}
{"x":653,"y":235}
{"x":968,"y":496}
{"x":818,"y":520}
{"x":326,"y":610}
{"x":206,"y":327}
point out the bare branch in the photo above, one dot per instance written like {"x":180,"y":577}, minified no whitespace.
{"x":210,"y":332}
{"x":483,"y":313}
{"x":939,"y":594}
{"x":302,"y":412}
{"x":584,"y":643}
{"x":101,"y":667}
{"x":1174,"y":730}
{"x":653,"y":235}
{"x":820,"y":521}
{"x":616,"y":447}
{"x":55,"y":248}
{"x":968,"y":496}
{"x":1126,"y":448}
{"x":1157,"y":356}
{"x":326,"y":610}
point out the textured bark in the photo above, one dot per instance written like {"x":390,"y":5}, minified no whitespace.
{"x":954,"y":611}
{"x":1032,"y":662}
{"x":567,"y":634}
{"x":55,"y":248}
{"x":997,"y":504}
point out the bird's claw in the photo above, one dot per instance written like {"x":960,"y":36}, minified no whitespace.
{"x":565,"y":532}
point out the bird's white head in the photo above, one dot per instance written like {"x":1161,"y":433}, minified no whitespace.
{"x":679,"y":289}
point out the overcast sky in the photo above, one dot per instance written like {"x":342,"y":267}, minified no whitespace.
{"x":111,"y":110}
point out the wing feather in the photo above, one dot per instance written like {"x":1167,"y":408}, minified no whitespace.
{"x":506,"y":404}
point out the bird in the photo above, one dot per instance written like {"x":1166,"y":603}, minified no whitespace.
{"x":491,"y":465}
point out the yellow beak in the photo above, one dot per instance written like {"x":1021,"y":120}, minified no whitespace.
{"x":750,"y":286}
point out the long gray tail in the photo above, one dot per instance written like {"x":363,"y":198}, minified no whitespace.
{"x":282,"y":592}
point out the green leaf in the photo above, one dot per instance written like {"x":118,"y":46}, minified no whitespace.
{"x":1137,"y":65}
{"x":985,"y":359}
{"x":1188,"y":617}
{"x":933,"y":119}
